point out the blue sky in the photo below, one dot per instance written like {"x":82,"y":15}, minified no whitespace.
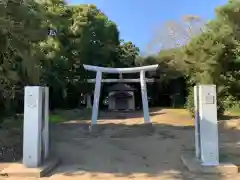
{"x":137,"y":19}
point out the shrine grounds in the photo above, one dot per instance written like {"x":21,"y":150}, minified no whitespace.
{"x":123,"y":148}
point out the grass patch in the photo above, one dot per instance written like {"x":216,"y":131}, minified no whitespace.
{"x":178,"y":111}
{"x":73,"y":114}
{"x":15,"y":122}
{"x":223,"y":158}
{"x":234,"y":112}
{"x":229,"y":158}
{"x":55,"y":118}
{"x":60,"y":116}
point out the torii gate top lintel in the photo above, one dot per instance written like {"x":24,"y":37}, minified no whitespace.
{"x":120,"y":70}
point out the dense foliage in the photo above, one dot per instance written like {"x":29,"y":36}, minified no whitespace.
{"x":46,"y":42}
{"x":213,"y":56}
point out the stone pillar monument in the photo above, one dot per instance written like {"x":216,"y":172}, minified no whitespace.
{"x":206,"y":128}
{"x":36,"y":129}
{"x":206,"y":136}
{"x":36,"y":162}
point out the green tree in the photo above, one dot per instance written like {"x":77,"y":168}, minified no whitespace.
{"x":212,"y":57}
{"x":128,"y":53}
{"x":20,"y":33}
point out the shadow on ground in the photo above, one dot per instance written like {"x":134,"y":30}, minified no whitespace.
{"x":228,"y":117}
{"x":123,"y":151}
{"x":85,"y":114}
{"x":119,"y":150}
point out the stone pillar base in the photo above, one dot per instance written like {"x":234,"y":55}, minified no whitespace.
{"x":19,"y":170}
{"x":195,"y":166}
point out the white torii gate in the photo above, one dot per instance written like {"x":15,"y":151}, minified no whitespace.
{"x":98,"y":81}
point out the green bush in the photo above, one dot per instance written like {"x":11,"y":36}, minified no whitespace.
{"x":230,"y":102}
{"x":190,"y":103}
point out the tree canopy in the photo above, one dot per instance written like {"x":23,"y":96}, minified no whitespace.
{"x":46,"y":42}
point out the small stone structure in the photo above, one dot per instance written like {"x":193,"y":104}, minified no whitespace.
{"x":121,"y":97}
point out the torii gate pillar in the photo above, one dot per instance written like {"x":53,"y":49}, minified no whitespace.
{"x":99,"y":70}
{"x":144,"y":97}
{"x":97,"y":93}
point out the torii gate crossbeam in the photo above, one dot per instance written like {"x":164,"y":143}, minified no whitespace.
{"x":100,"y":70}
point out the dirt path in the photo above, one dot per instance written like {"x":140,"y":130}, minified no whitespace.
{"x":119,"y":151}
{"x":125,"y":149}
